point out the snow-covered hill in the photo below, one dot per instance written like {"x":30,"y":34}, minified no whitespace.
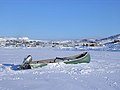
{"x":110,"y":39}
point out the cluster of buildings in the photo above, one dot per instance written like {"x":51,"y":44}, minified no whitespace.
{"x":16,"y":42}
{"x":26,"y":42}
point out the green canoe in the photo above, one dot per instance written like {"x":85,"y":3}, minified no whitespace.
{"x":80,"y":58}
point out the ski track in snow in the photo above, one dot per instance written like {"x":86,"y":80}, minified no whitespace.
{"x":102,"y":73}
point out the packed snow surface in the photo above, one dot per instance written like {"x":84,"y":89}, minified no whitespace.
{"x":102,"y":73}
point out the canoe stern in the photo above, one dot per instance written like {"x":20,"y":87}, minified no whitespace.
{"x":85,"y":59}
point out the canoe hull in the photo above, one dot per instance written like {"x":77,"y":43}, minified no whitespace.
{"x":38,"y":65}
{"x":85,"y":59}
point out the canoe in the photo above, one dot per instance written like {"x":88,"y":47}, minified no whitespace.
{"x":75,"y":59}
{"x":28,"y":63}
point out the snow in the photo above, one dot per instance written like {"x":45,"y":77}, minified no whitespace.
{"x":102,"y":73}
{"x":106,"y":47}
